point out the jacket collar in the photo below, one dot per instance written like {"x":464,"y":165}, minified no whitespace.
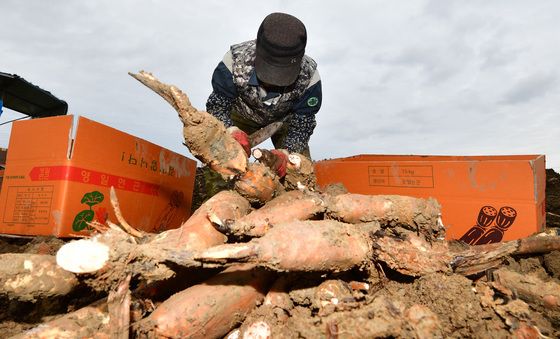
{"x":254,"y":81}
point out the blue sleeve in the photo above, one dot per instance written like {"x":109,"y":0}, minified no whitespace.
{"x":299,"y":133}
{"x":310,"y":101}
{"x":303,"y":121}
{"x":223,"y":94}
{"x":222,"y":81}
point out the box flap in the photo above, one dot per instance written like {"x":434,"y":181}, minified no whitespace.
{"x":474,"y":177}
{"x":125,"y":153}
{"x":40,"y":139}
{"x":438,"y":158}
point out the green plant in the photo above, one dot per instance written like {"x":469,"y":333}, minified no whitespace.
{"x":86,"y":216}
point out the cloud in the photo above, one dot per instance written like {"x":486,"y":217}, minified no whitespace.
{"x":436,"y":63}
{"x":530,"y":88}
{"x":398,"y":77}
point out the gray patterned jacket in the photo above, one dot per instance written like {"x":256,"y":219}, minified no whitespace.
{"x":236,"y":89}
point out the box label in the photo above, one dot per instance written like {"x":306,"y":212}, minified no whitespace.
{"x":87,"y":176}
{"x":28,"y":204}
{"x":401,"y":176}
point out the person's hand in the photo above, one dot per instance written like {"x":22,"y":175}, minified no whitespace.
{"x":281,"y":162}
{"x":242,"y":138}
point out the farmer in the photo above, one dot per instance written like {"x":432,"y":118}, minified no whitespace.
{"x":269,"y":79}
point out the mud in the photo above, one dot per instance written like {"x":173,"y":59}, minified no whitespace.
{"x":32,"y":245}
{"x":433,"y":306}
{"x":552,"y":198}
{"x":302,"y":175}
{"x":551,"y":263}
{"x":453,"y":299}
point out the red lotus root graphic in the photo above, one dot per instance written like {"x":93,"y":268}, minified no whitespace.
{"x":490,"y":225}
{"x":505,"y":217}
{"x":486,"y":215}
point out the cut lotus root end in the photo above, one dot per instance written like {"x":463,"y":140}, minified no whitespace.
{"x":83,"y":256}
{"x":295,"y":160}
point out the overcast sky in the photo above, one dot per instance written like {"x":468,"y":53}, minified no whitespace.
{"x":399,"y":77}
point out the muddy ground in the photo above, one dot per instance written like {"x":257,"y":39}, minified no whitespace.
{"x":378,"y":303}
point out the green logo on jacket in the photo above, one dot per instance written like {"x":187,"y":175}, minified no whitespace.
{"x":312,"y":102}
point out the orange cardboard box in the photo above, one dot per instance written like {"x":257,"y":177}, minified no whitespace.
{"x":484,"y":199}
{"x":54,"y":184}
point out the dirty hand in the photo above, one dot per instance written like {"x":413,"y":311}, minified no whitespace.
{"x":281,"y":162}
{"x":241,"y":137}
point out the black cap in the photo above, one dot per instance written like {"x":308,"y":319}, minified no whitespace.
{"x":281,"y":44}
